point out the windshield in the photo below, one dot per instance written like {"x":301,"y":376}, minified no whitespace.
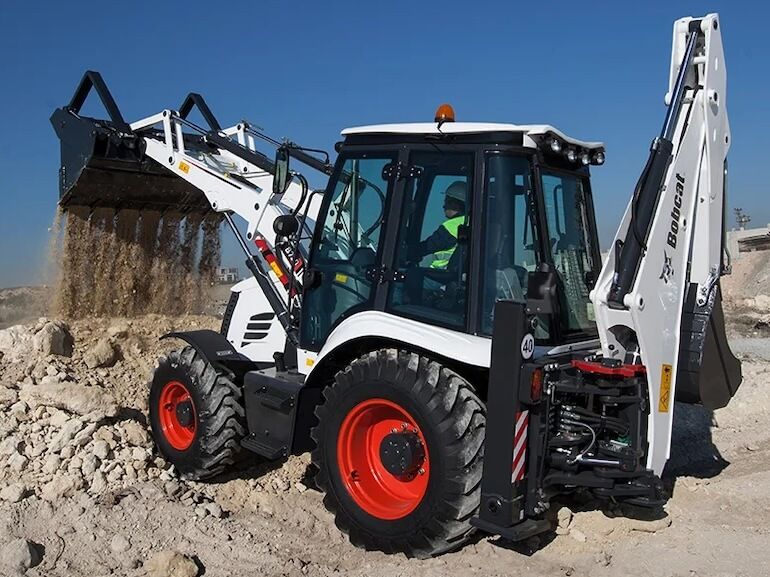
{"x":567,"y":209}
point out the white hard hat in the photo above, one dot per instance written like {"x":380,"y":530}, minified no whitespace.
{"x":457,"y":190}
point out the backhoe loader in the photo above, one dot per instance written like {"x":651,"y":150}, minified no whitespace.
{"x":442,"y":386}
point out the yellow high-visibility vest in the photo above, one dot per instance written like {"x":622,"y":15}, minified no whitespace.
{"x":441,"y":258}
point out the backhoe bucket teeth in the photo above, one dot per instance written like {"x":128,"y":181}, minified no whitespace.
{"x":104,"y":167}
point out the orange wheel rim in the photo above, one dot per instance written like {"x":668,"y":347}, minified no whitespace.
{"x":177,"y":417}
{"x":372,"y":486}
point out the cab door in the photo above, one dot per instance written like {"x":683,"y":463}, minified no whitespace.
{"x":431,"y":258}
{"x":344,"y":274}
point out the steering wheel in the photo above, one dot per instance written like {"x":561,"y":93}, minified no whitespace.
{"x":362,"y":257}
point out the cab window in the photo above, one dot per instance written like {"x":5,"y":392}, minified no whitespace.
{"x":431,"y":259}
{"x":567,"y":217}
{"x":347,"y":249}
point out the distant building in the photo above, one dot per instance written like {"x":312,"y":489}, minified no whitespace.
{"x":747,"y":240}
{"x":227,"y":275}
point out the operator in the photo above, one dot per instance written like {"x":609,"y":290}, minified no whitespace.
{"x":443,"y":242}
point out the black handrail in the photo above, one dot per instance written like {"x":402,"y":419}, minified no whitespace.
{"x":194,"y":99}
{"x":92,"y":79}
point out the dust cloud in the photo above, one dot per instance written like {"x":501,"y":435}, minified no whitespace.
{"x":128,"y":263}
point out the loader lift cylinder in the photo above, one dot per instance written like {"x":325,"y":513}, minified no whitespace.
{"x":629,"y":252}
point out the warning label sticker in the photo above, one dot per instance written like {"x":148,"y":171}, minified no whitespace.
{"x":665,"y":389}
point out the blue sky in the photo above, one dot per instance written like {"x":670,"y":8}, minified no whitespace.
{"x":596,"y":70}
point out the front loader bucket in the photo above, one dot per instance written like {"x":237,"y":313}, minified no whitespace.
{"x":708,"y":374}
{"x":102,"y":168}
{"x":103,"y":163}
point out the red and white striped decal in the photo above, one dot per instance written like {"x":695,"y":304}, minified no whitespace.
{"x":520,"y":446}
{"x":269,"y":256}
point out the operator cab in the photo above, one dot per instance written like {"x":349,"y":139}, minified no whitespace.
{"x":435,"y":222}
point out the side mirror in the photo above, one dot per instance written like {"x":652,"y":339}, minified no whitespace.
{"x":286,"y":225}
{"x":282,"y":176}
{"x":541,"y":291}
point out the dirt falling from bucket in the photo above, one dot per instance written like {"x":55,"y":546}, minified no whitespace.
{"x":129,"y":263}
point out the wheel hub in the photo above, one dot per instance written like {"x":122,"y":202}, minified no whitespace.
{"x":184,"y":413}
{"x":402,"y":453}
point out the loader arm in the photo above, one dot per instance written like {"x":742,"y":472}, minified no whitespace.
{"x":166,"y":162}
{"x":657,"y":297}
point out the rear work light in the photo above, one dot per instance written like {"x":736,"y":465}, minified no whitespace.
{"x":536,"y":385}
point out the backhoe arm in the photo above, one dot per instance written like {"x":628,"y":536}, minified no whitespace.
{"x":657,"y":297}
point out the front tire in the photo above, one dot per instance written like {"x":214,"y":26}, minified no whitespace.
{"x":399,"y":453}
{"x":196,"y":415}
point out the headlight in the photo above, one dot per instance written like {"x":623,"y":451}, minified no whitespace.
{"x":599,"y":157}
{"x":554,"y":144}
{"x":584,"y":157}
{"x":571,"y":154}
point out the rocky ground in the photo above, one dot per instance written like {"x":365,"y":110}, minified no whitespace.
{"x":82,"y":491}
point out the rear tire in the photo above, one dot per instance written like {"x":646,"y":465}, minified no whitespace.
{"x":441,"y":408}
{"x":196,"y":415}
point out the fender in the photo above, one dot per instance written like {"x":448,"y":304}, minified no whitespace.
{"x":468,"y":349}
{"x":215,"y":348}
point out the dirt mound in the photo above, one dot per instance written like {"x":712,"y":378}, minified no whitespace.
{"x":750,"y":276}
{"x":129,"y":263}
{"x":82,"y":485}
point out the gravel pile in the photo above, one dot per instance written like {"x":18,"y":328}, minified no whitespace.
{"x":73,"y":430}
{"x":83,"y":492}
{"x":59,"y":435}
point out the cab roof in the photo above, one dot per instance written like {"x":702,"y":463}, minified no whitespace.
{"x":535,"y":132}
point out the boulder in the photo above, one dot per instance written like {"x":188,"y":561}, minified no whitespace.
{"x":98,"y":483}
{"x":54,"y":338}
{"x":134,"y":434}
{"x":8,"y":397}
{"x":102,"y":354}
{"x":101,"y":449}
{"x":10,"y":445}
{"x":15,"y":342}
{"x":17,"y":462}
{"x":19,"y":555}
{"x":13,"y":493}
{"x":91,"y":402}
{"x":119,"y":330}
{"x":119,"y":544}
{"x":65,"y":435}
{"x":61,"y":486}
{"x":564,"y":518}
{"x":170,"y":564}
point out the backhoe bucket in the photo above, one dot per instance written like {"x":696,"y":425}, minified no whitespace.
{"x":103,"y":162}
{"x":709,"y":374}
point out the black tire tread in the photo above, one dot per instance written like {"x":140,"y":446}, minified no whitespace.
{"x":222,"y":408}
{"x":443,"y":392}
